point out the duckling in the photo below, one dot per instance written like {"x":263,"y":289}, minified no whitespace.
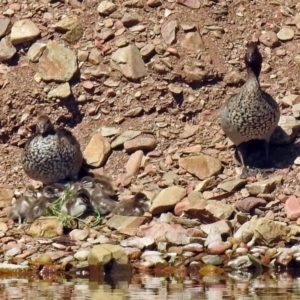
{"x":58,"y":189}
{"x":21,"y":207}
{"x":87,"y":182}
{"x":101,"y":191}
{"x":105,"y":184}
{"x":77,"y":206}
{"x":135,"y":207}
{"x":100,"y":183}
{"x":103,"y":204}
{"x":51,"y":155}
{"x":49,"y":193}
{"x":37,"y":209}
{"x":252,"y":113}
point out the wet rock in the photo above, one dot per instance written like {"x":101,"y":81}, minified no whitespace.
{"x":82,"y":255}
{"x":140,"y":143}
{"x":154,"y":259}
{"x":138,"y":242}
{"x":43,"y":259}
{"x":125,"y":136}
{"x":242,"y":262}
{"x":133,"y":165}
{"x":285,"y":33}
{"x":97,"y":151}
{"x":104,"y":254}
{"x":202,"y":166}
{"x":167,"y":199}
{"x":35,"y":51}
{"x":264,"y":186}
{"x":63,"y":91}
{"x":79,"y":234}
{"x":190,"y":3}
{"x":218,"y":248}
{"x":4,"y":26}
{"x":286,"y":131}
{"x":248,"y":204}
{"x":129,"y":62}
{"x":192,"y":41}
{"x":106,"y":8}
{"x":47,"y":227}
{"x":133,"y":253}
{"x":292,"y":208}
{"x":214,"y":260}
{"x":23,"y":31}
{"x":193,"y":247}
{"x":57,"y":63}
{"x":269,"y":39}
{"x":285,"y":257}
{"x":168,"y":31}
{"x":232,"y":185}
{"x":7,"y":50}
{"x":6,"y":267}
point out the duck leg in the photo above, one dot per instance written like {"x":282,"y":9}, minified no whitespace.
{"x":242,"y":154}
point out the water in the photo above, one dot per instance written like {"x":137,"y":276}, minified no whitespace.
{"x":141,"y":286}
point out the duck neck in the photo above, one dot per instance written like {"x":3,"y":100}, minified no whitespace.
{"x":251,"y":90}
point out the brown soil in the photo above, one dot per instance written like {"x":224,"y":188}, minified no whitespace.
{"x":22,"y":99}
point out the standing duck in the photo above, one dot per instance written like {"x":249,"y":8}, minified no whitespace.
{"x":51,"y":155}
{"x":251,"y":114}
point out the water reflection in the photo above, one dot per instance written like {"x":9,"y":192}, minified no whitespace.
{"x":234,"y":285}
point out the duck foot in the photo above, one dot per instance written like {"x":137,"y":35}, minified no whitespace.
{"x":252,"y":172}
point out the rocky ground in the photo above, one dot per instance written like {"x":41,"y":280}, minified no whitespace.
{"x":141,"y":84}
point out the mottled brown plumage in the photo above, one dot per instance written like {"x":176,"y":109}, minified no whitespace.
{"x":51,"y":155}
{"x":252,"y":113}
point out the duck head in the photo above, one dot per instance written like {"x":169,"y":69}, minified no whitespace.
{"x":253,"y":59}
{"x":44,"y":125}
